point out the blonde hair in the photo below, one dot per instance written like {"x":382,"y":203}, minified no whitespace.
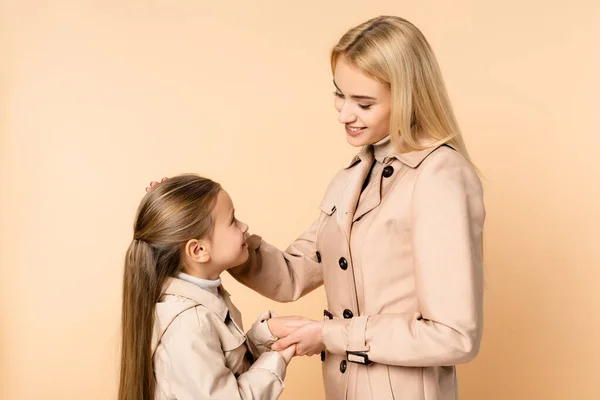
{"x":177,"y":210}
{"x":395,"y":52}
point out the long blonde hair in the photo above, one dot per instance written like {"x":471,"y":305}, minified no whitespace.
{"x":176,"y":211}
{"x":395,"y":52}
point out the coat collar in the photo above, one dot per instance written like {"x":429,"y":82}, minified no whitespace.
{"x":364,"y":153}
{"x":167,"y":311}
{"x":179,"y":287}
{"x":384,"y":151}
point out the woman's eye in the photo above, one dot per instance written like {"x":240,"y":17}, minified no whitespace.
{"x":338,"y":94}
{"x":365,"y":106}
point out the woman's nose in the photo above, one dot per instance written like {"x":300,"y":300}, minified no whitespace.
{"x":346,"y":115}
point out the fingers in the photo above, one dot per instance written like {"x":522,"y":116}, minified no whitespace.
{"x":288,"y":325}
{"x":288,"y":353}
{"x":284,"y":343}
{"x":301,"y":321}
{"x":303,"y":349}
{"x":153,"y":184}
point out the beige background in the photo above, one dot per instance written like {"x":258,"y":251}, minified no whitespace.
{"x":99,"y":97}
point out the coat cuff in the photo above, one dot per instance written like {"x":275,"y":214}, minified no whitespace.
{"x":343,"y":335}
{"x":260,"y":337}
{"x":335,"y":335}
{"x":273,"y":362}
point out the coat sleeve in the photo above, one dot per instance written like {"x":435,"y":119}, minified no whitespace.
{"x":198,"y":368}
{"x":447,"y":217}
{"x":282,"y":276}
{"x":260,"y":338}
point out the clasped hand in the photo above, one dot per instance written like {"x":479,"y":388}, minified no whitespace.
{"x":303,"y":333}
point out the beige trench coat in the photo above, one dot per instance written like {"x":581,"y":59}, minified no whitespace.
{"x":200,"y":350}
{"x":403,"y":274}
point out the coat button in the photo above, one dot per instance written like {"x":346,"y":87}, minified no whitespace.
{"x":343,"y":263}
{"x":318,"y":257}
{"x":388,"y":171}
{"x":343,"y":366}
{"x":323,"y":355}
{"x":348,"y":314}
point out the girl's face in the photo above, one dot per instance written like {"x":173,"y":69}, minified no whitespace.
{"x":363,"y":104}
{"x":228,"y":243}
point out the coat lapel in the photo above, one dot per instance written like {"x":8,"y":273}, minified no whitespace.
{"x":350,"y":195}
{"x":371,"y":197}
{"x":234,"y":313}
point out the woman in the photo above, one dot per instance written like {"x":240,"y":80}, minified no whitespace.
{"x":398,"y":241}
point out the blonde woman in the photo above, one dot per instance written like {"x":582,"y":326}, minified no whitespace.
{"x":398,"y":239}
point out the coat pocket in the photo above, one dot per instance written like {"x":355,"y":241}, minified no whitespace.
{"x":406,"y":382}
{"x":235,"y":351}
{"x":328,"y":207}
{"x":380,"y":384}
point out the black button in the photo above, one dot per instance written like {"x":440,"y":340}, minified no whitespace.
{"x":343,"y":366}
{"x":388,"y":171}
{"x":348,"y":314}
{"x":323,"y":355}
{"x":327,"y":314}
{"x":318,"y":257}
{"x":343,"y":263}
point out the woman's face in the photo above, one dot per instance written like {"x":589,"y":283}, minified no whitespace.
{"x":363,"y":104}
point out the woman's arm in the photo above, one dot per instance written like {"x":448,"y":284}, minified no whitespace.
{"x":282,"y":276}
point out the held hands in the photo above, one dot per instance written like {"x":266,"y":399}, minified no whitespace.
{"x":303,"y":334}
{"x":282,"y":327}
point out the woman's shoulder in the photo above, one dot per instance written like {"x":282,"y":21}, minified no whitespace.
{"x":447,"y":163}
{"x":445,"y":155}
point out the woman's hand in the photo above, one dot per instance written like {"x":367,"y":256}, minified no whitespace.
{"x":308,"y":340}
{"x":281,"y":327}
{"x":154,"y":183}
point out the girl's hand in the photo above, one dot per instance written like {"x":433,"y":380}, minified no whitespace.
{"x":288,"y":353}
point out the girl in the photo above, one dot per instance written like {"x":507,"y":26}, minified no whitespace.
{"x":182,"y":336}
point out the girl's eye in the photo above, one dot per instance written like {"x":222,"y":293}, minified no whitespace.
{"x":338,"y":94}
{"x":365,"y":106}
